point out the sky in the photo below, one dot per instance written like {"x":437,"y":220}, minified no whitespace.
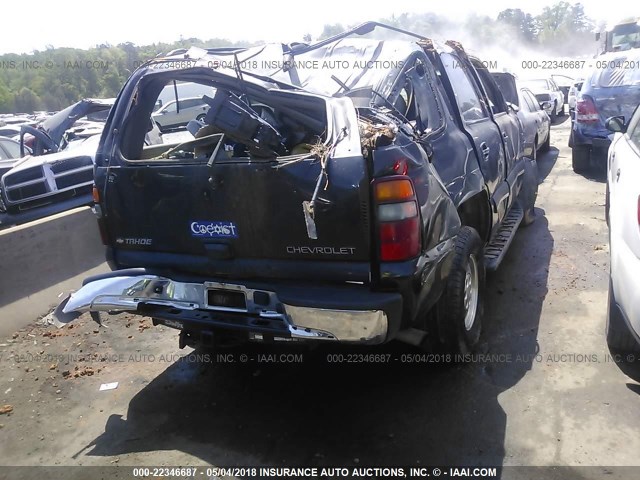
{"x":63,"y":23}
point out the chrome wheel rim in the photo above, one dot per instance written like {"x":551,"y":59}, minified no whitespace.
{"x":470,"y":292}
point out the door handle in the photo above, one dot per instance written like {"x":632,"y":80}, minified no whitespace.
{"x":618,"y":175}
{"x":485,"y":150}
{"x":504,"y":135}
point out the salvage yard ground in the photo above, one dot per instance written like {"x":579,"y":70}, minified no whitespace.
{"x":542,"y":390}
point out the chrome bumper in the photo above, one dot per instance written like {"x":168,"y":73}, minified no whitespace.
{"x":125,"y":293}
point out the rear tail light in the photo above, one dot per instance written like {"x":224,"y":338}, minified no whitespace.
{"x":398,"y":218}
{"x":97,"y":209}
{"x":96,"y":194}
{"x":586,"y":111}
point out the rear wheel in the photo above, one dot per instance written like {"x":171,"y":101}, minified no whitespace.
{"x":547,"y":143}
{"x":580,"y":158}
{"x":619,"y":337}
{"x":461,"y":307}
{"x":201,"y":117}
{"x":553,"y":112}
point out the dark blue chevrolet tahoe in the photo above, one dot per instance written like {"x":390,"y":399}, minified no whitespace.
{"x":354,"y":190}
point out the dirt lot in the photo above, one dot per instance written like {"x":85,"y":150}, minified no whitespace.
{"x":541,"y":391}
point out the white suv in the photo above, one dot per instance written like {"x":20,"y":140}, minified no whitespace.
{"x":623,"y":217}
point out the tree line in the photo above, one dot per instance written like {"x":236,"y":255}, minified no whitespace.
{"x":57,"y":77}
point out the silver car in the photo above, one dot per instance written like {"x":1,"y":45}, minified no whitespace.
{"x":175,"y":114}
{"x":535,"y":121}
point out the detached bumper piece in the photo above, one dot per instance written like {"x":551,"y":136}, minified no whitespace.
{"x":222,"y":306}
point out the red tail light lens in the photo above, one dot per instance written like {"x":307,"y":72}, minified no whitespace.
{"x":398,"y":219}
{"x":399,"y":240}
{"x":586,"y":111}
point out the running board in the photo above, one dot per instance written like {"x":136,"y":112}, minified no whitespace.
{"x":495,"y":251}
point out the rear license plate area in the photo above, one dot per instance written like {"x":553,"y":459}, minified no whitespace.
{"x":226,"y":299}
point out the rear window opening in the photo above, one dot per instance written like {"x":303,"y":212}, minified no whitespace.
{"x":173,"y":118}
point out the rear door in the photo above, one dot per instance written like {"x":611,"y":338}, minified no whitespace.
{"x":511,"y":130}
{"x":484,"y":132}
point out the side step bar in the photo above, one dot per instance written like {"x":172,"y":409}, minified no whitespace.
{"x":495,"y":251}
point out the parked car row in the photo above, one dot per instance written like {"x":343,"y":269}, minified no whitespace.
{"x":50,"y":168}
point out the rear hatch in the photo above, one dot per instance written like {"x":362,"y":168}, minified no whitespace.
{"x":239,"y":215}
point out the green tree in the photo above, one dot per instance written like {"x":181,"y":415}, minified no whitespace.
{"x":523,"y":22}
{"x":27,"y":101}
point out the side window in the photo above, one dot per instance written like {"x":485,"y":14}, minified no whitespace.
{"x":496,"y":101}
{"x":531,"y":101}
{"x":524,"y":102}
{"x":12,"y":148}
{"x":171,"y":108}
{"x":190,"y":103}
{"x":527,"y":102}
{"x":415,"y":97}
{"x":467,"y":98}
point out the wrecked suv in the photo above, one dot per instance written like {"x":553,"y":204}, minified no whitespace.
{"x":353,"y":190}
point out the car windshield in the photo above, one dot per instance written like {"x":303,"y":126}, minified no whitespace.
{"x":625,"y":37}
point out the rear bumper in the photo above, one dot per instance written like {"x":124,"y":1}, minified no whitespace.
{"x":345,"y":313}
{"x":596,"y":136}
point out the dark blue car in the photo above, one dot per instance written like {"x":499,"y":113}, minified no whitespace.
{"x":612,"y":89}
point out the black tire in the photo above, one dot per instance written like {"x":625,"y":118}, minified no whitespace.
{"x":529,"y":192}
{"x":200,"y":117}
{"x":619,"y":338}
{"x":547,"y":144}
{"x":553,"y":115}
{"x":561,"y":114}
{"x":580,"y":158}
{"x":458,"y":334}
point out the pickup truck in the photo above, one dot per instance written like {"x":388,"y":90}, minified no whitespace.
{"x":353,"y":190}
